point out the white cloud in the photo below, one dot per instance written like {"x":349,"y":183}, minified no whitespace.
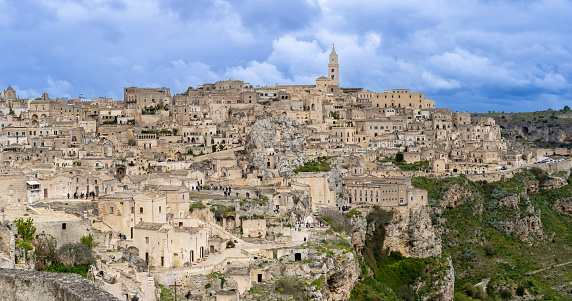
{"x":58,"y":88}
{"x":437,"y":82}
{"x":442,"y":48}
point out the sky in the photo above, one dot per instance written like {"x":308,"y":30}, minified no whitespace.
{"x":474,"y":56}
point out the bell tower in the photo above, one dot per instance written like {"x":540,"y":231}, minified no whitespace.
{"x":334,"y":68}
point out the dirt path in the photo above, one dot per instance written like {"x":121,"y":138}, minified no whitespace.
{"x":546,"y":268}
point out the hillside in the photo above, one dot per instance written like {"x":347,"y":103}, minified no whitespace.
{"x":550,"y":128}
{"x":503,"y":232}
{"x":506,"y":240}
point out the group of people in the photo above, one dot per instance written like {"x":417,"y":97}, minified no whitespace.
{"x":87,"y":195}
{"x":227,"y":191}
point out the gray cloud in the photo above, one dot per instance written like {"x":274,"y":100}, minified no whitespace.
{"x":467,"y":55}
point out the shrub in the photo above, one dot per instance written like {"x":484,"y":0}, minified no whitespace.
{"x":88,"y":241}
{"x":489,"y":249}
{"x":26,"y":229}
{"x":399,"y":157}
{"x":505,"y":294}
{"x":75,"y":254}
{"x":520,"y":291}
{"x":45,"y":251}
{"x":498,"y":194}
{"x":288,"y":285}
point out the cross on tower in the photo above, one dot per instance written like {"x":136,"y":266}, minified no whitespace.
{"x":175,"y":286}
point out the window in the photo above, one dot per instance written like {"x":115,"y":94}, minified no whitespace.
{"x":159,"y":209}
{"x":140,"y":209}
{"x":64,"y":226}
{"x":110,"y":209}
{"x":147,"y":240}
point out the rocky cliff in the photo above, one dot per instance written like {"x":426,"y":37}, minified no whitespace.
{"x":342,"y":276}
{"x":538,"y":126}
{"x":412,"y":234}
{"x":281,"y":135}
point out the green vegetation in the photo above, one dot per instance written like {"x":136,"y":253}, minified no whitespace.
{"x":88,"y":241}
{"x":166,"y":294}
{"x":290,"y":285}
{"x":399,"y":157}
{"x":500,"y":254}
{"x":196,"y":205}
{"x":76,"y":269}
{"x":75,"y":254}
{"x":388,"y":275}
{"x":418,"y":165}
{"x":163,"y":132}
{"x":319,"y":283}
{"x":26,"y":229}
{"x":335,"y":115}
{"x":478,"y":242}
{"x":70,"y":258}
{"x":317,"y":165}
{"x":222,"y":211}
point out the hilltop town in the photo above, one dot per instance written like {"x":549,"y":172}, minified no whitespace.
{"x":227,"y":187}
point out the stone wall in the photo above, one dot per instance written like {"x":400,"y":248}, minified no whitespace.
{"x":254,"y":228}
{"x":20,"y":285}
{"x":548,"y":167}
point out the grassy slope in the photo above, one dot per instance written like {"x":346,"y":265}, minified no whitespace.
{"x":470,"y":235}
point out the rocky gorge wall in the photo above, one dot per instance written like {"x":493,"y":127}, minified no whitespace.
{"x":24,"y":285}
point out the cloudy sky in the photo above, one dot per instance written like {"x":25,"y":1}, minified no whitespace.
{"x":474,"y":56}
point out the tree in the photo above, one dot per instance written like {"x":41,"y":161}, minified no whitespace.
{"x":566,"y":109}
{"x":399,"y":157}
{"x":45,"y":251}
{"x":505,"y":294}
{"x":520,"y":291}
{"x":26,"y":229}
{"x":213,"y":148}
{"x":131,"y":142}
{"x":76,"y":253}
{"x":89,"y":241}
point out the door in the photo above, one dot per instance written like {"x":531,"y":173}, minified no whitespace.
{"x":45,"y":193}
{"x":192,"y":257}
{"x":212,"y":250}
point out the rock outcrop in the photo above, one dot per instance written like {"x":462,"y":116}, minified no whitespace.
{"x":554,"y":183}
{"x":359,"y":230}
{"x":441,"y":284}
{"x":564,"y":205}
{"x":455,"y":196}
{"x":341,"y":278}
{"x":525,"y":225}
{"x":279,"y":134}
{"x":412,"y":234}
{"x":542,"y":129}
